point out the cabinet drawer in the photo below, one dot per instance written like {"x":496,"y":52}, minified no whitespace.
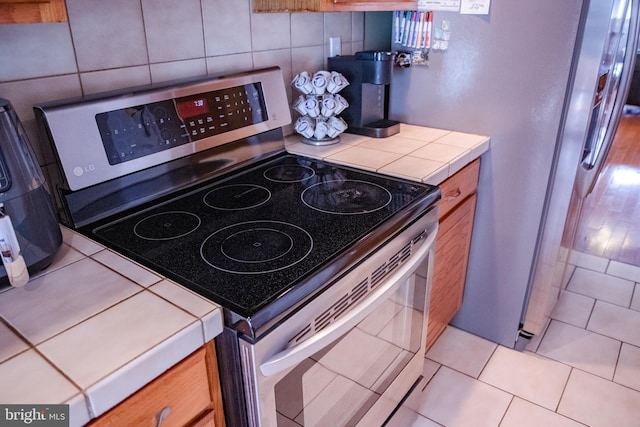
{"x":184,"y":389}
{"x":458,"y":187}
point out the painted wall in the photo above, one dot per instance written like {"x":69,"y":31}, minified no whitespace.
{"x":120,"y":43}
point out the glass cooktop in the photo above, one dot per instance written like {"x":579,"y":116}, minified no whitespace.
{"x":246,"y":239}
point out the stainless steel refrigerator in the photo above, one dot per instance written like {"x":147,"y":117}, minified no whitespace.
{"x":546,"y":80}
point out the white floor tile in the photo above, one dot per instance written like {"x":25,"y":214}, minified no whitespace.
{"x":602,"y":287}
{"x":406,"y":417}
{"x":567,"y":275}
{"x":625,"y":271}
{"x":369,"y":357}
{"x":586,"y":367}
{"x":339,"y":401}
{"x":527,"y":375}
{"x":462,"y":351}
{"x":414,"y":400}
{"x":635,"y":301}
{"x":591,"y":262}
{"x":525,"y":414}
{"x":628,"y":370}
{"x":597,"y":402}
{"x":293,"y":395}
{"x":581,"y":349}
{"x":573,"y":308}
{"x":616,"y":322}
{"x":453,"y":399}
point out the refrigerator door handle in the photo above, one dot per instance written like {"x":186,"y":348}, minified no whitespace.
{"x":588,"y":171}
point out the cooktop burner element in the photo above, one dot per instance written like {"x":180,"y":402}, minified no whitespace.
{"x":237,"y":197}
{"x":166,"y":226}
{"x":289,"y":173}
{"x":346,"y":197}
{"x":256,"y":247}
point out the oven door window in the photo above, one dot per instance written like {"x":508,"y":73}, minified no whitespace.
{"x":339,"y":384}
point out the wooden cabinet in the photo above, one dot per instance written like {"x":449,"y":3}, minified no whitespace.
{"x":32,"y":11}
{"x":456,"y":212}
{"x":331,"y":5}
{"x":188,"y":394}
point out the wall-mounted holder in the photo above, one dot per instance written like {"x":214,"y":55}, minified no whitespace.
{"x":319,"y":106}
{"x":412,"y":37}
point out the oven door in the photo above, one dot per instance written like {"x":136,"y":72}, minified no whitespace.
{"x":351,"y":355}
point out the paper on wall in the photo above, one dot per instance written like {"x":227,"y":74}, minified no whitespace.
{"x":475,"y":7}
{"x":439,"y":5}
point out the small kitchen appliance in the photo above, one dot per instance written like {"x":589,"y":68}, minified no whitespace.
{"x":29,"y":231}
{"x":309,"y":260}
{"x":369,"y":74}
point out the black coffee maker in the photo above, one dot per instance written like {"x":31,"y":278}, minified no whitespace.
{"x":369,"y":75}
{"x":29,"y":231}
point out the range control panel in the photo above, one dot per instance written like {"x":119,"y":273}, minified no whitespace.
{"x":108,"y":135}
{"x":137,"y":131}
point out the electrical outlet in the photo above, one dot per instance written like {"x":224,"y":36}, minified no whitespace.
{"x":334,"y":46}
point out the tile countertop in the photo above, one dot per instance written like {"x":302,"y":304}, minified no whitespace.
{"x":93,"y":328}
{"x":417,"y":153}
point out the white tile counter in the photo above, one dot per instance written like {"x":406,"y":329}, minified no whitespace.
{"x":418,"y":153}
{"x":93,"y":328}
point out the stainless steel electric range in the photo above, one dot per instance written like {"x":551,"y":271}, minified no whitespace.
{"x":322,"y":270}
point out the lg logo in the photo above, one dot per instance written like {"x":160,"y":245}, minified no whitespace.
{"x":79,"y":171}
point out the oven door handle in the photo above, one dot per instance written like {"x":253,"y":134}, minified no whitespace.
{"x":294,"y":355}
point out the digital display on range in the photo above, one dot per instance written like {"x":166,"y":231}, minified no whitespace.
{"x":192,"y":107}
{"x":224,"y":110}
{"x":133,"y":132}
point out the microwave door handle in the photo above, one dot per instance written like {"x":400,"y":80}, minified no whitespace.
{"x":294,"y":355}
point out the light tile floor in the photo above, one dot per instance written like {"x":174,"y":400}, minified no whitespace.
{"x":584,"y":371}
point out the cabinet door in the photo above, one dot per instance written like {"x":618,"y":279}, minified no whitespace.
{"x":32,"y":11}
{"x":450,"y":267}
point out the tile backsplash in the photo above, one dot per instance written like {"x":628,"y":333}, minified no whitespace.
{"x":113,"y":44}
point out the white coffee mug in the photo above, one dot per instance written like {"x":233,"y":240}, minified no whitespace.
{"x":328,"y":105}
{"x":305,"y":127}
{"x":337,"y":82}
{"x":321,"y":129}
{"x":312,"y":106}
{"x":320,"y":81}
{"x":298,"y":105}
{"x":302,"y":82}
{"x":336,"y":126}
{"x":341,"y":104}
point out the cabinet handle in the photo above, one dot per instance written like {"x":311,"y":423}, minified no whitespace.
{"x":162,"y":415}
{"x":454,"y":195}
